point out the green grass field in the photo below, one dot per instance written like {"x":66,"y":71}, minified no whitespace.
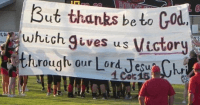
{"x":37,"y":97}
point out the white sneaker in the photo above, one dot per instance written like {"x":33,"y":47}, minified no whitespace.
{"x":94,"y":98}
{"x":10,"y":95}
{"x":38,"y":81}
{"x":23,"y":94}
{"x":20,"y":88}
{"x":26,"y":89}
{"x":5,"y":94}
{"x":184,"y":102}
{"x":48,"y":94}
{"x":128,"y":98}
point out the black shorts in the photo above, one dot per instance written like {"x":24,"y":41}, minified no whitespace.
{"x":78,"y":81}
{"x":126,"y":83}
{"x":85,"y":81}
{"x":115,"y":83}
{"x":98,"y":82}
{"x":56,"y":78}
{"x":71,"y":80}
{"x":49,"y":79}
{"x":64,"y":78}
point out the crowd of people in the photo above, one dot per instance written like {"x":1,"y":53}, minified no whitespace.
{"x":155,"y":91}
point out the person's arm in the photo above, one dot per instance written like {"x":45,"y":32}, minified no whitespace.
{"x":190,"y":73}
{"x":171,"y":100}
{"x":142,"y":93}
{"x":185,"y":61}
{"x":190,"y":98}
{"x":141,"y":100}
{"x":196,"y":42}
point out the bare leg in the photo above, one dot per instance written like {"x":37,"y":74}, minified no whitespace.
{"x":10,"y":85}
{"x":13,"y":85}
{"x":185,"y":92}
{"x":4,"y":83}
{"x":24,"y":84}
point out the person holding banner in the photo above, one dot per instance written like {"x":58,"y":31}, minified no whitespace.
{"x":156,"y":90}
{"x":194,"y":86}
{"x":190,"y":62}
{"x":12,"y":67}
{"x":4,"y":70}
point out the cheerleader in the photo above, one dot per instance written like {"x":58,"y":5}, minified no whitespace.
{"x":12,"y":67}
{"x":4,"y":70}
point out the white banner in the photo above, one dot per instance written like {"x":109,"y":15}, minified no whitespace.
{"x":103,"y":43}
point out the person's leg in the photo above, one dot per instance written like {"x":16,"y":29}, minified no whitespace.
{"x":4,"y":84}
{"x":49,"y":82}
{"x":94,"y":89}
{"x":103,"y":90}
{"x":123,"y":89}
{"x":42,"y":81}
{"x":55,"y":81}
{"x":26,"y":88}
{"x":84,"y":82}
{"x":65,"y":83}
{"x":24,"y":84}
{"x":70,"y":87}
{"x":19,"y":84}
{"x":114,"y":88}
{"x":13,"y":85}
{"x":108,"y":88}
{"x":128,"y":90}
{"x":185,"y":93}
{"x":78,"y":87}
{"x":118,"y":84}
{"x":10,"y":86}
{"x":133,"y":87}
{"x":58,"y":85}
{"x":38,"y":79}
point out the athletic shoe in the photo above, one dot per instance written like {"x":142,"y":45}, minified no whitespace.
{"x":83,"y":95}
{"x":94,"y":98}
{"x":65,"y":90}
{"x":48,"y":94}
{"x":70,"y":95}
{"x":5,"y":94}
{"x":59,"y":93}
{"x":54,"y":95}
{"x":20,"y":88}
{"x":136,"y":97}
{"x":133,"y":88}
{"x":26,"y":89}
{"x":87,"y":92}
{"x":23,"y":94}
{"x":104,"y":98}
{"x":10,"y":95}
{"x":43,"y":89}
{"x":128,"y":97}
{"x":184,"y":102}
{"x":38,"y":81}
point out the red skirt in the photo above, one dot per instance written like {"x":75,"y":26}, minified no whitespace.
{"x":14,"y":74}
{"x":4,"y":71}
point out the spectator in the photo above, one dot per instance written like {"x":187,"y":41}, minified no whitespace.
{"x":156,"y":90}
